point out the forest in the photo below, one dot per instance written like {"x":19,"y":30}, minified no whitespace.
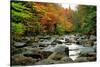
{"x":30,"y":20}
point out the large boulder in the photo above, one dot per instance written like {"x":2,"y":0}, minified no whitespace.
{"x":22,"y":60}
{"x":67,"y":60}
{"x":34,"y":53}
{"x":84,"y":57}
{"x":56,"y":56}
{"x":45,"y":54}
{"x":39,"y":55}
{"x":81,"y":59}
{"x":60,"y":48}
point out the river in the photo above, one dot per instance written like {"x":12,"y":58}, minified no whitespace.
{"x":74,"y":49}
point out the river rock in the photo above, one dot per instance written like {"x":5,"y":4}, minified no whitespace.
{"x":92,"y":37}
{"x":48,"y":61}
{"x":67,"y":60}
{"x":81,"y":59}
{"x":25,"y":39}
{"x":56,"y":56}
{"x":45,"y":54}
{"x":19,"y":44}
{"x":30,"y":48}
{"x":57,"y":48}
{"x":95,"y":43}
{"x":83,"y":37}
{"x":22,"y":60}
{"x":95,"y":48}
{"x":87,"y":43}
{"x":35,"y":45}
{"x":60,"y":48}
{"x":34,"y":53}
{"x":91,"y":58}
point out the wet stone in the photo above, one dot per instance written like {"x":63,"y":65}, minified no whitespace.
{"x":19,"y":44}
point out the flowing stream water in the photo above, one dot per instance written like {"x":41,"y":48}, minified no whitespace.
{"x":74,"y":49}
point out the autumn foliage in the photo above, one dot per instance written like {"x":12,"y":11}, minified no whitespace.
{"x":51,"y":18}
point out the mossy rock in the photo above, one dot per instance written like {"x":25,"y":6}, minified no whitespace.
{"x":56,"y":56}
{"x":67,"y":60}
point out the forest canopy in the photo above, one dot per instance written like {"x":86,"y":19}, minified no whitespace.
{"x":35,"y":18}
